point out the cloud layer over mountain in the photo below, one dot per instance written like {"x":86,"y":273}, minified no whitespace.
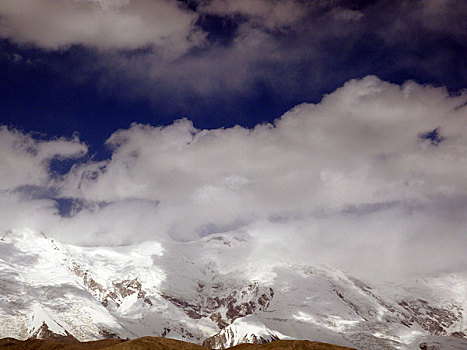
{"x":371,"y":179}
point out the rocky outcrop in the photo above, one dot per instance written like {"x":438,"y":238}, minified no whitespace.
{"x":222,"y":305}
{"x":118,"y":290}
{"x":436,"y":320}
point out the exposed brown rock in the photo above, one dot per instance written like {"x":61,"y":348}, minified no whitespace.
{"x":459,"y":335}
{"x":236,"y":304}
{"x":431,"y":318}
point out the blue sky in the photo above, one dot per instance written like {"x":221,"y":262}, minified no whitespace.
{"x":336,"y":126}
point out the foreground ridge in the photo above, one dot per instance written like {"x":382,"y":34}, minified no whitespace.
{"x":156,"y":343}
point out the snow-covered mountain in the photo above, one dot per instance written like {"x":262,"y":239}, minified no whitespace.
{"x":214,"y":290}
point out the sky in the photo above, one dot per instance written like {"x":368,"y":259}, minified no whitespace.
{"x":332,"y":131}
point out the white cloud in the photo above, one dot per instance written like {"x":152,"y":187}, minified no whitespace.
{"x":101,"y":24}
{"x":350,"y":181}
{"x":25,"y":160}
{"x":361,"y":144}
{"x":25,"y":192}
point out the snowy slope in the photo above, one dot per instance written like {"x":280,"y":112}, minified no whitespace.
{"x":37,"y":288}
{"x":192,"y":291}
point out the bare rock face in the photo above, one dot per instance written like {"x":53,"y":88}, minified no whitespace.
{"x":460,"y":335}
{"x":222,"y":305}
{"x":436,"y":320}
{"x":118,"y":290}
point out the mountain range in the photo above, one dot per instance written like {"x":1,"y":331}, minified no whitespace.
{"x":209,"y":292}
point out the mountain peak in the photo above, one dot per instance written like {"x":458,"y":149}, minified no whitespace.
{"x":45,"y":325}
{"x":247,"y":329}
